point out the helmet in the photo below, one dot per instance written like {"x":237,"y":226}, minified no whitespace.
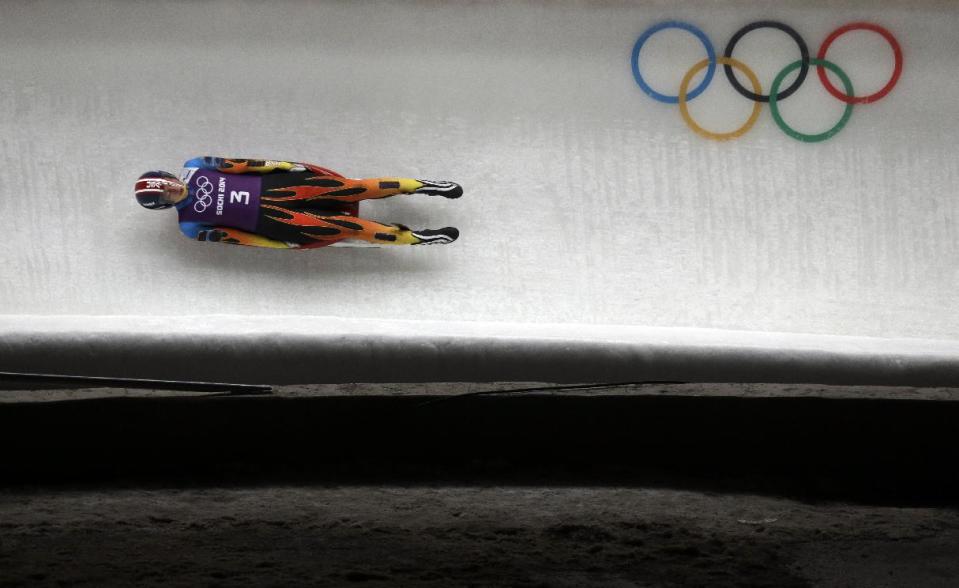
{"x":158,"y":189}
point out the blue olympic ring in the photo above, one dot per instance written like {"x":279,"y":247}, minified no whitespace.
{"x":674,"y":24}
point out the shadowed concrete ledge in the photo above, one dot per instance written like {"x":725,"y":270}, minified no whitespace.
{"x":303,"y":350}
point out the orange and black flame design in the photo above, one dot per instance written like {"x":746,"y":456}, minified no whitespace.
{"x":316,"y":228}
{"x":312,"y":189}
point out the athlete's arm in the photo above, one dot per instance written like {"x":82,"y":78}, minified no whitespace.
{"x":256,"y":166}
{"x":237,"y":237}
{"x":203,"y":232}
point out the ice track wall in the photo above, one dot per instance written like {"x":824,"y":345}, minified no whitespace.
{"x":596,"y":225}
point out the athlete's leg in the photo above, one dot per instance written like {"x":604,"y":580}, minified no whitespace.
{"x":310,"y":226}
{"x":389,"y":234}
{"x":309,"y":189}
{"x":374,"y":188}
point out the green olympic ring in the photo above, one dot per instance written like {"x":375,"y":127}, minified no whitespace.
{"x":774,"y":103}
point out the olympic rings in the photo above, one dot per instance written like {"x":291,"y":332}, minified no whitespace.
{"x":204,"y":194}
{"x":674,"y":24}
{"x":774,"y":105}
{"x":684,"y":110}
{"x":775,"y":94}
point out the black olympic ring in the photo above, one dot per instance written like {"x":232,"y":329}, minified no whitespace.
{"x":767,"y":24}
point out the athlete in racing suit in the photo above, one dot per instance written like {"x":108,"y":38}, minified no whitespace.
{"x":283,"y":204}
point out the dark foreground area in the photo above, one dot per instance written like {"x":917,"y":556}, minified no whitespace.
{"x":525,"y":490}
{"x":436,"y":536}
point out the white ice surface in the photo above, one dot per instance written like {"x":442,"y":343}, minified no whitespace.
{"x":587,"y":203}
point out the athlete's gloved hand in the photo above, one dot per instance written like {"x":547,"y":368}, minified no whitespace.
{"x":214,"y":235}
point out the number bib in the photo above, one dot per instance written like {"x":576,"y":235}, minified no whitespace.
{"x":228,"y":200}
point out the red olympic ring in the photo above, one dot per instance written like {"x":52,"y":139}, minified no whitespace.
{"x":865,"y":26}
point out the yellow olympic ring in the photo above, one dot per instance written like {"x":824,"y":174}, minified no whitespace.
{"x":684,"y":109}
